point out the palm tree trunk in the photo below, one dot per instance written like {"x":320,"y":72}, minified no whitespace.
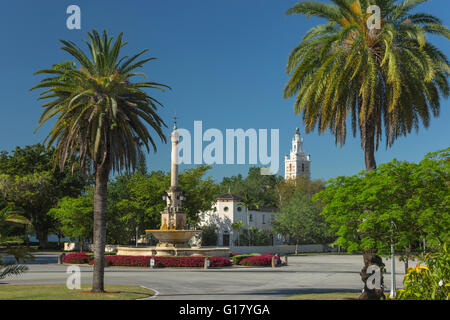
{"x":101,"y":183}
{"x":370,"y":256}
{"x":248,"y":227}
{"x":368,"y":144}
{"x":239,"y":237}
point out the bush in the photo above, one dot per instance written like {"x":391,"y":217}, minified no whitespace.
{"x":165,"y":262}
{"x":429,"y":282}
{"x":219,"y":262}
{"x":77,"y":258}
{"x":258,"y":237}
{"x":239,"y":257}
{"x":209,"y":236}
{"x":260,"y":261}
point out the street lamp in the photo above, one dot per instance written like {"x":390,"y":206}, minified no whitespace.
{"x":137,"y":228}
{"x":393,"y":284}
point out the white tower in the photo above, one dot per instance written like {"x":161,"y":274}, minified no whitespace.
{"x":297,"y":162}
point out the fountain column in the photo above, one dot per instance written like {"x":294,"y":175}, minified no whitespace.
{"x":172,"y":233}
{"x":174,"y":136}
{"x":173,"y":236}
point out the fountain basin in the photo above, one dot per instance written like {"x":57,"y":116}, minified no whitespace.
{"x":174,"y":252}
{"x":173,"y":238}
{"x":173,"y":243}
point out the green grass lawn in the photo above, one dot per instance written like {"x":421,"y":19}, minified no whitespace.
{"x":60,"y":292}
{"x":325,"y":296}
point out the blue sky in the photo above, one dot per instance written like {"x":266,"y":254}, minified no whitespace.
{"x":225,"y":62}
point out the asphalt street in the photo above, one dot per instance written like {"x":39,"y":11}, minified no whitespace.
{"x":304,"y":274}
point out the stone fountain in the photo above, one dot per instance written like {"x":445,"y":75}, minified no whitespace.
{"x":173,"y":237}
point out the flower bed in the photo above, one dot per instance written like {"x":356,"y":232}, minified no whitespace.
{"x":263,"y":260}
{"x":77,"y":258}
{"x":144,"y":261}
{"x":237,"y":258}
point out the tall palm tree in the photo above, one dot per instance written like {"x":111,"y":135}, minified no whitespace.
{"x":238,"y":225}
{"x":391,"y":76}
{"x":247,"y":202}
{"x":101,"y":117}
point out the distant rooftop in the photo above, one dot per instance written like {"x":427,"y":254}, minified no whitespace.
{"x":229,"y":196}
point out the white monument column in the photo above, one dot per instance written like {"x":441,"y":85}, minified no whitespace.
{"x":174,"y":136}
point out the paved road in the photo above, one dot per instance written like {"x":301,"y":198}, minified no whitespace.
{"x":304,"y":274}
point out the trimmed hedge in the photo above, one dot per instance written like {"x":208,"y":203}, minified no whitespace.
{"x":91,"y":254}
{"x":263,"y":260}
{"x":237,"y":258}
{"x":144,"y":261}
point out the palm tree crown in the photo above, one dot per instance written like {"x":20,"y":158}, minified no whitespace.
{"x":100,"y":110}
{"x":389,"y":77}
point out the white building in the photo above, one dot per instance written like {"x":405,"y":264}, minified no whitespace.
{"x":297,"y":162}
{"x":229,"y":209}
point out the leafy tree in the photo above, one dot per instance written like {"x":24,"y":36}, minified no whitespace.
{"x":261,"y":188}
{"x":101,"y":116}
{"x":75,"y":217}
{"x":29,"y":181}
{"x":302,"y":185}
{"x":300,"y":219}
{"x":399,"y":203}
{"x":255,"y":237}
{"x":34,"y":194}
{"x":200,"y":192}
{"x":209,"y":236}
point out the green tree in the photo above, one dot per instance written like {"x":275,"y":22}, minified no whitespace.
{"x":75,"y":216}
{"x":261,"y":188}
{"x":34,"y":194}
{"x":256,"y":237}
{"x":399,"y":203}
{"x":29,"y":181}
{"x":301,"y":220}
{"x":209,"y":235}
{"x":302,"y":185}
{"x":200,"y":192}
{"x":101,"y":116}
